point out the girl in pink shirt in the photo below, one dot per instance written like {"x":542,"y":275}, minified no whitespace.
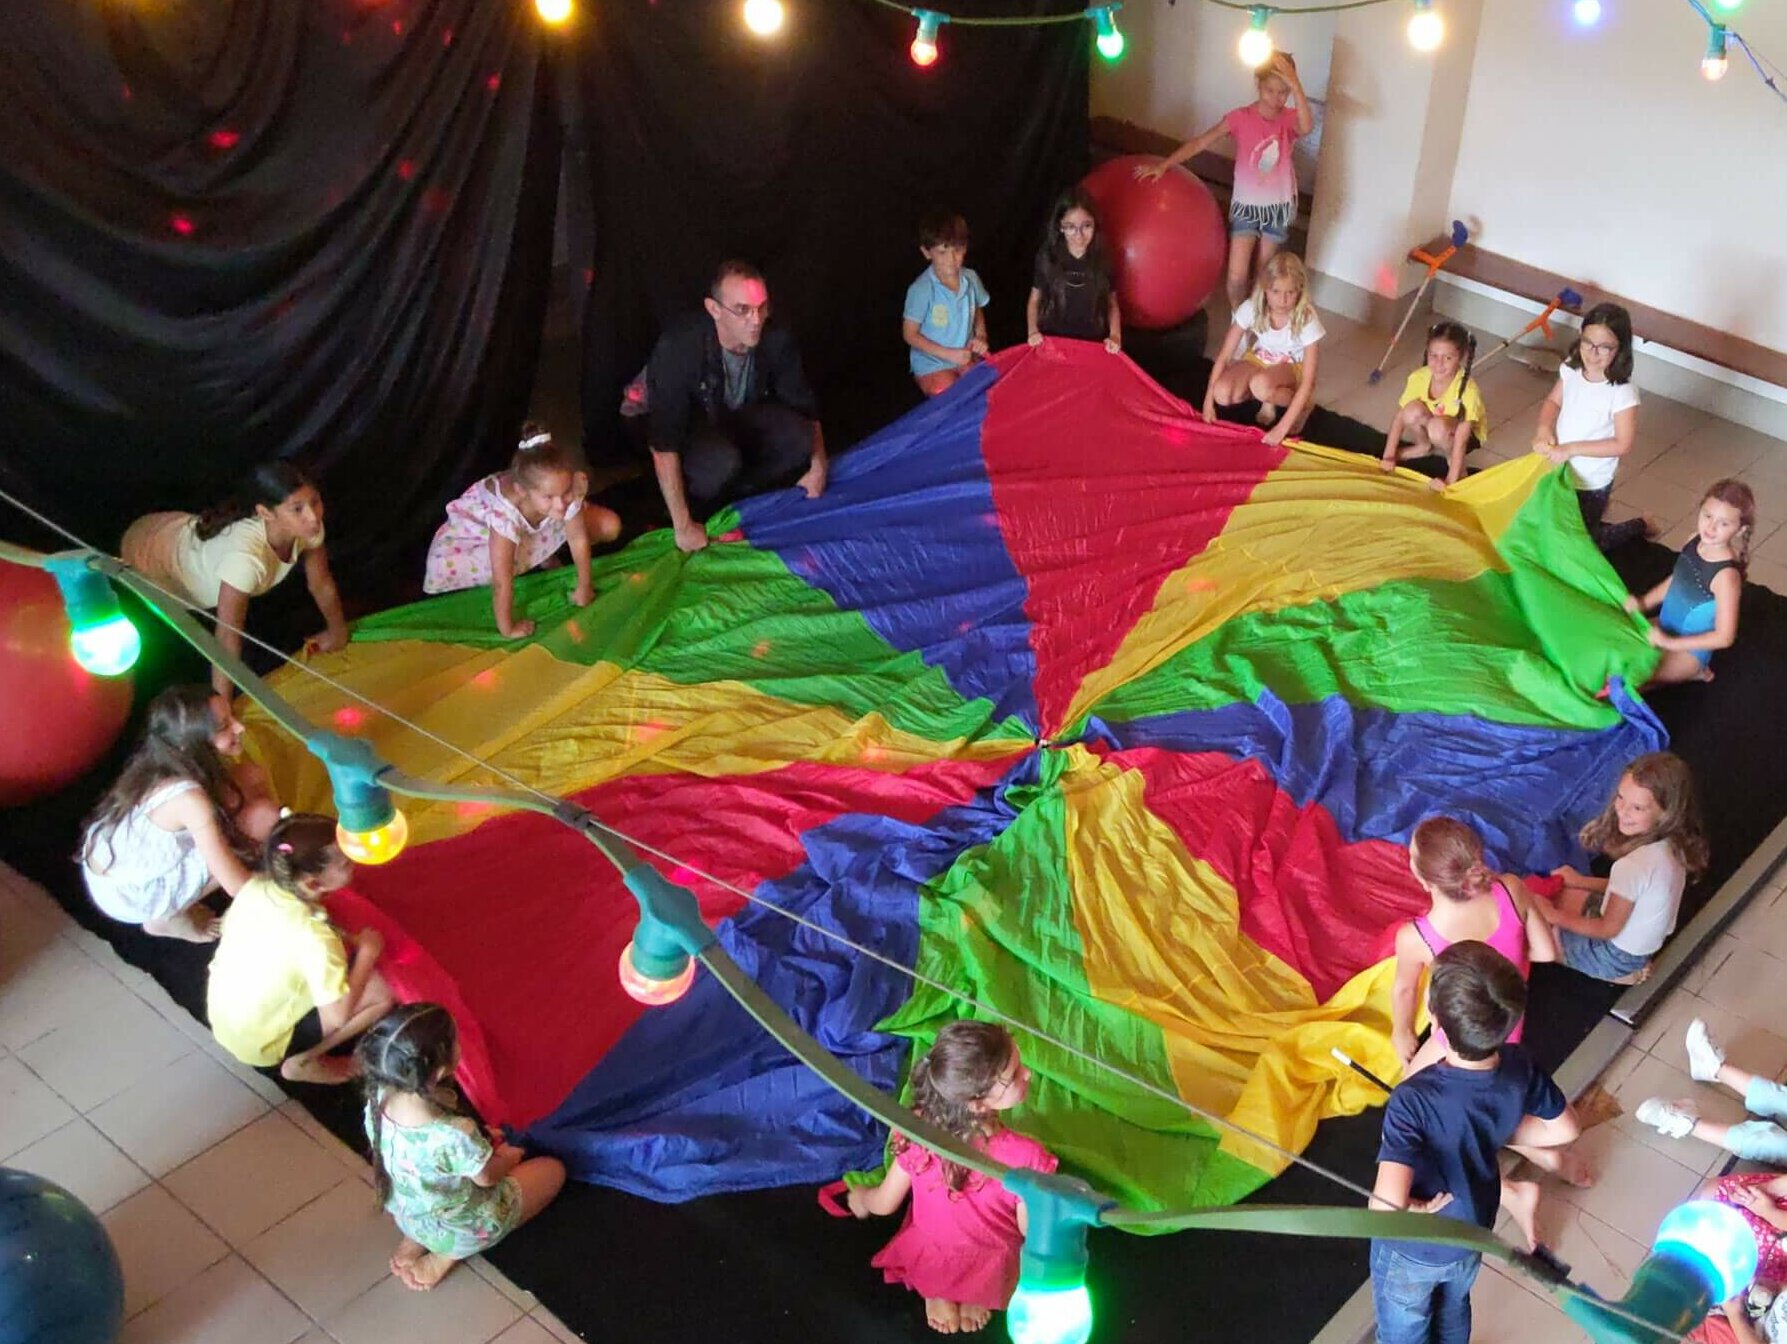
{"x":1264,"y":202}
{"x":958,"y":1248}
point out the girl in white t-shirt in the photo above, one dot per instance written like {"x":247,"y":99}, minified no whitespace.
{"x":1270,"y":352}
{"x":1609,"y":928}
{"x":1591,"y":418}
{"x":240,"y":549}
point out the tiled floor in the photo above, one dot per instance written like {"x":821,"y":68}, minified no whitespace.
{"x":238,"y":1219}
{"x":1678,"y":453}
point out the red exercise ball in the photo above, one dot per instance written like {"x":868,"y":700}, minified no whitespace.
{"x":1168,"y":240}
{"x":56,"y":718}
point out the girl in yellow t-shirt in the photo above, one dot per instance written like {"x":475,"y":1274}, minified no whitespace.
{"x":240,"y":549}
{"x":1442,"y":411}
{"x":279,"y":958}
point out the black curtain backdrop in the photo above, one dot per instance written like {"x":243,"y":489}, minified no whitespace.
{"x":812,"y":154}
{"x":238,"y":229}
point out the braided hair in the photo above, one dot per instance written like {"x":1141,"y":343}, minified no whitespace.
{"x":409,"y":1049}
{"x":1460,"y":338}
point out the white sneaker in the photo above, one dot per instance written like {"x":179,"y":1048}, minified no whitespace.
{"x":1671,"y":1119}
{"x":1704,"y":1058}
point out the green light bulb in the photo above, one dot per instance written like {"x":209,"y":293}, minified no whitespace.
{"x":1050,"y":1315}
{"x":108,"y":648}
{"x":1110,"y":41}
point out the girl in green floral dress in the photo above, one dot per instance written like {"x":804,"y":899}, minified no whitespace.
{"x":453,"y":1191}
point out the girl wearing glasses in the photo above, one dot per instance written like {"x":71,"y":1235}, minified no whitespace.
{"x":1072,"y":294}
{"x":1591,"y":418}
{"x":958,"y":1247}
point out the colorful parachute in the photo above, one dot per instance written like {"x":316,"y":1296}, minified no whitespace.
{"x":1108,"y":719}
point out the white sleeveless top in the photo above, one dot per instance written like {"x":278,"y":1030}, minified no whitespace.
{"x":144,"y":871}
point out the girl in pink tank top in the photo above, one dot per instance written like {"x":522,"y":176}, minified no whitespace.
{"x":1469,"y":902}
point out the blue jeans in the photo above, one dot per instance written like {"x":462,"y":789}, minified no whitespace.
{"x":1762,"y":1140}
{"x":1419,"y":1303}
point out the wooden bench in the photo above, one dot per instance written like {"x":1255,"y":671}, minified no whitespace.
{"x":1648,"y":324}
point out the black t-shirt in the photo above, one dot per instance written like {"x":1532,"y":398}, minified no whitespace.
{"x":1073,"y":309}
{"x":1447,"y":1125}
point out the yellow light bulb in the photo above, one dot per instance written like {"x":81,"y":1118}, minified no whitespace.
{"x":554,"y":12}
{"x":376,"y":846}
{"x":765,"y":17}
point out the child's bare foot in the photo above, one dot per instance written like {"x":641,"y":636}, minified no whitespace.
{"x":1521,"y":1199}
{"x":424,"y":1271}
{"x":1706,"y":674}
{"x":1653,"y":528}
{"x":1574,"y":1168}
{"x":1266,"y":416}
{"x":326,"y":1070}
{"x":943,"y":1317}
{"x":974,"y":1318}
{"x":1637,"y":977}
{"x":403,"y":1262}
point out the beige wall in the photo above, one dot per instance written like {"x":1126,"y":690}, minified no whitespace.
{"x":1599,"y":154}
{"x":1602,"y":155}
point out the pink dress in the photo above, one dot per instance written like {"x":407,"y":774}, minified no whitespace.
{"x":961,"y":1245}
{"x":1509,"y":939}
{"x":459,"y":555}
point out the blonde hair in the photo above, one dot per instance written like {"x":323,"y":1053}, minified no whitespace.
{"x":1282,"y":266}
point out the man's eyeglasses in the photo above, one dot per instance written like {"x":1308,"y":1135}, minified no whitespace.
{"x":746,"y":311}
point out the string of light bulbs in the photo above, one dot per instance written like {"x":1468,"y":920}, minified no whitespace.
{"x":1426,"y":28}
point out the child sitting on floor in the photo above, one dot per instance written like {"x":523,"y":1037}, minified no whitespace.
{"x":1271,"y":351}
{"x":1753,"y":1140}
{"x":514,"y":522}
{"x":240,"y":549}
{"x":944,"y":320}
{"x":958,"y":1248}
{"x":1442,"y":413}
{"x":453,"y":1192}
{"x":1442,"y":1131}
{"x":178,"y":821}
{"x":280,"y":958}
{"x":1610,"y":927}
{"x":1699,"y":599}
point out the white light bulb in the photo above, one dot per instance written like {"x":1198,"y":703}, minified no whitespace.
{"x":1426,"y":29}
{"x":1255,"y":48}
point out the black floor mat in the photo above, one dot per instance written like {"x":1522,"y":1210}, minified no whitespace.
{"x":770,"y":1266}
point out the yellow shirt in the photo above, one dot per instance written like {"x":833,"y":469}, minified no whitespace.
{"x":278,"y":958}
{"x":1420,"y":384}
{"x":166,"y":548}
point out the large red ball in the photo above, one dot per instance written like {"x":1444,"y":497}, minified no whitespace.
{"x":56,"y":718}
{"x":1168,"y":241}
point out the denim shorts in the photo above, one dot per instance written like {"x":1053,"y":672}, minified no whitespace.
{"x":1271,"y":222}
{"x":1597,"y":957}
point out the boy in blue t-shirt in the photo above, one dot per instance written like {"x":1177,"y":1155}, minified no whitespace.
{"x":942,"y":320}
{"x":1443,"y":1129}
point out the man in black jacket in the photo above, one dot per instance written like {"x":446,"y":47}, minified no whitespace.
{"x":731,"y":411}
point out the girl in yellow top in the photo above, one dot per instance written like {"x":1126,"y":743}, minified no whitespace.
{"x":240,"y":549}
{"x":280,"y":957}
{"x":1442,"y":409}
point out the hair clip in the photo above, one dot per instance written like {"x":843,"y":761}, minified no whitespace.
{"x":535,"y":441}
{"x":284,"y":847}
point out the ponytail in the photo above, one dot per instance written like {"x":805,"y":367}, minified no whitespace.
{"x":270,"y":484}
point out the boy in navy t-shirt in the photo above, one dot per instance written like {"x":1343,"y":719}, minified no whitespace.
{"x":1443,"y":1129}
